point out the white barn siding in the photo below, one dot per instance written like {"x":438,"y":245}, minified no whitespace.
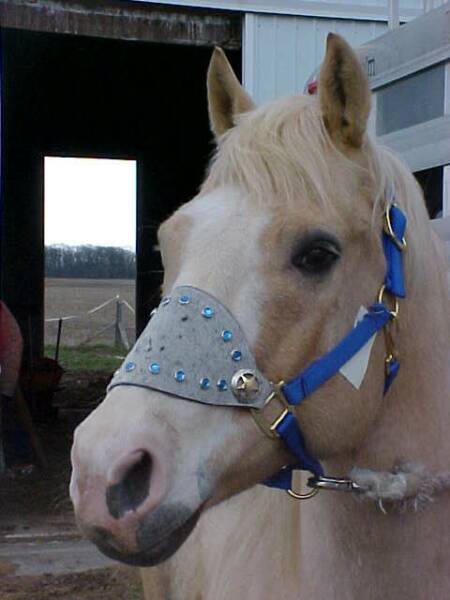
{"x":281,"y":52}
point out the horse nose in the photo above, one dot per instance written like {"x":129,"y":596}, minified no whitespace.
{"x":115,"y":488}
{"x":128,"y":483}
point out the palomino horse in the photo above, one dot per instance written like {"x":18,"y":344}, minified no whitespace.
{"x":286,"y":233}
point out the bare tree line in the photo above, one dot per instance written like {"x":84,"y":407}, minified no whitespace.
{"x":90,"y":262}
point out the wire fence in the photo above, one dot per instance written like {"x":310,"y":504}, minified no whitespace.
{"x":110,"y":322}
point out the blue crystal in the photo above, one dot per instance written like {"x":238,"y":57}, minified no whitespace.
{"x":205,"y":383}
{"x":236,"y":355}
{"x":185,"y":299}
{"x":227,"y":335}
{"x":154,"y":368}
{"x":180,"y":375}
{"x":130,"y":366}
{"x":208,"y":312}
{"x":165,"y":301}
{"x":222,"y":385}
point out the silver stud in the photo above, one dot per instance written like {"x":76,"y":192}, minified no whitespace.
{"x":245,"y":385}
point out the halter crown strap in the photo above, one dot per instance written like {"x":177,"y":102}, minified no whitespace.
{"x":316,"y":374}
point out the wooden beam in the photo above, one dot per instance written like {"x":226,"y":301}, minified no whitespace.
{"x":123,"y":20}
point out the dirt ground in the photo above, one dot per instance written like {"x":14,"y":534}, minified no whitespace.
{"x":104,"y":584}
{"x":35,"y":506}
{"x":75,"y":298}
{"x":30,"y":495}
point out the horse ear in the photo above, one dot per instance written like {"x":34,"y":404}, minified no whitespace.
{"x":344,"y":93}
{"x":226,"y":96}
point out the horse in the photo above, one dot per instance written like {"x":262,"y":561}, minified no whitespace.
{"x":286,"y":236}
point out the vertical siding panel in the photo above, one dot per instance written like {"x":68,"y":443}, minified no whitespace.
{"x":285,"y":56}
{"x":266,"y":69}
{"x":287,"y":50}
{"x":306,"y":51}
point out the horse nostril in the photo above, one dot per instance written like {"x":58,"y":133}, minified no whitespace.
{"x":133,"y":487}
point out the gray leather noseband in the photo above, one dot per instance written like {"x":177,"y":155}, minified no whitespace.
{"x":194,"y":348}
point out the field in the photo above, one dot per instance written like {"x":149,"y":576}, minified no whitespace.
{"x":76,"y":298}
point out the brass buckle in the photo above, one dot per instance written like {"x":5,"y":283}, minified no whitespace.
{"x":266,"y":427}
{"x":394,"y":311}
{"x":401,"y":244}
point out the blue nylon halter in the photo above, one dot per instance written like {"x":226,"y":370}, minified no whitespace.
{"x":321,"y":370}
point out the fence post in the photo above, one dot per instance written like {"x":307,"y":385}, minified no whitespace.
{"x":117,"y":324}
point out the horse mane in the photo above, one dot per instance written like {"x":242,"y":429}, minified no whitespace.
{"x":281,"y":151}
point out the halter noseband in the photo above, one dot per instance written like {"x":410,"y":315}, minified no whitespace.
{"x":193,"y":348}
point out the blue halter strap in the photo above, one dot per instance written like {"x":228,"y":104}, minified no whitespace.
{"x":379,"y":316}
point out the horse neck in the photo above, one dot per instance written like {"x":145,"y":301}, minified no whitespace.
{"x":354,"y":541}
{"x":415,"y":415}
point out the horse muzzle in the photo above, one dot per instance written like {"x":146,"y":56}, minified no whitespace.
{"x":156,"y":538}
{"x":121,"y":480}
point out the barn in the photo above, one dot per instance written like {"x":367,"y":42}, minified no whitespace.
{"x":126,"y":79}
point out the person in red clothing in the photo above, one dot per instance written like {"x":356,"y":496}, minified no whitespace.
{"x":11,"y":346}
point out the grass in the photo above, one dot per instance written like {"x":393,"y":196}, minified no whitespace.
{"x":91,"y":358}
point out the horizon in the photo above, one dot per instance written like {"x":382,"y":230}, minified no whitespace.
{"x":128,"y":248}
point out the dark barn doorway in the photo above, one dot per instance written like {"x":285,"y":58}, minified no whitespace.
{"x":68,"y":95}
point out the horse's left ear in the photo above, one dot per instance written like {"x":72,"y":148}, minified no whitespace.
{"x":344,"y":93}
{"x":226,"y":96}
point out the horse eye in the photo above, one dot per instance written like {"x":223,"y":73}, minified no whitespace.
{"x":316,"y":257}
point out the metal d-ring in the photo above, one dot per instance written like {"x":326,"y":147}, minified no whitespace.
{"x":401,"y":244}
{"x":306,"y":496}
{"x":394,"y":312}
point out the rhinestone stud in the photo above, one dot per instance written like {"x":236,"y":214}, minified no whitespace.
{"x":205,"y":383}
{"x":208,"y":312}
{"x":130,"y":366}
{"x":222,"y":385}
{"x":227,"y":335}
{"x":154,"y":368}
{"x":185,"y":299}
{"x":236,"y":355}
{"x":180,"y":375}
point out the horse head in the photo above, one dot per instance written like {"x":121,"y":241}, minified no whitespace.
{"x":285,"y":236}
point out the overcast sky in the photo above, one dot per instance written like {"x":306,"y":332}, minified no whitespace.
{"x":89,"y":201}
